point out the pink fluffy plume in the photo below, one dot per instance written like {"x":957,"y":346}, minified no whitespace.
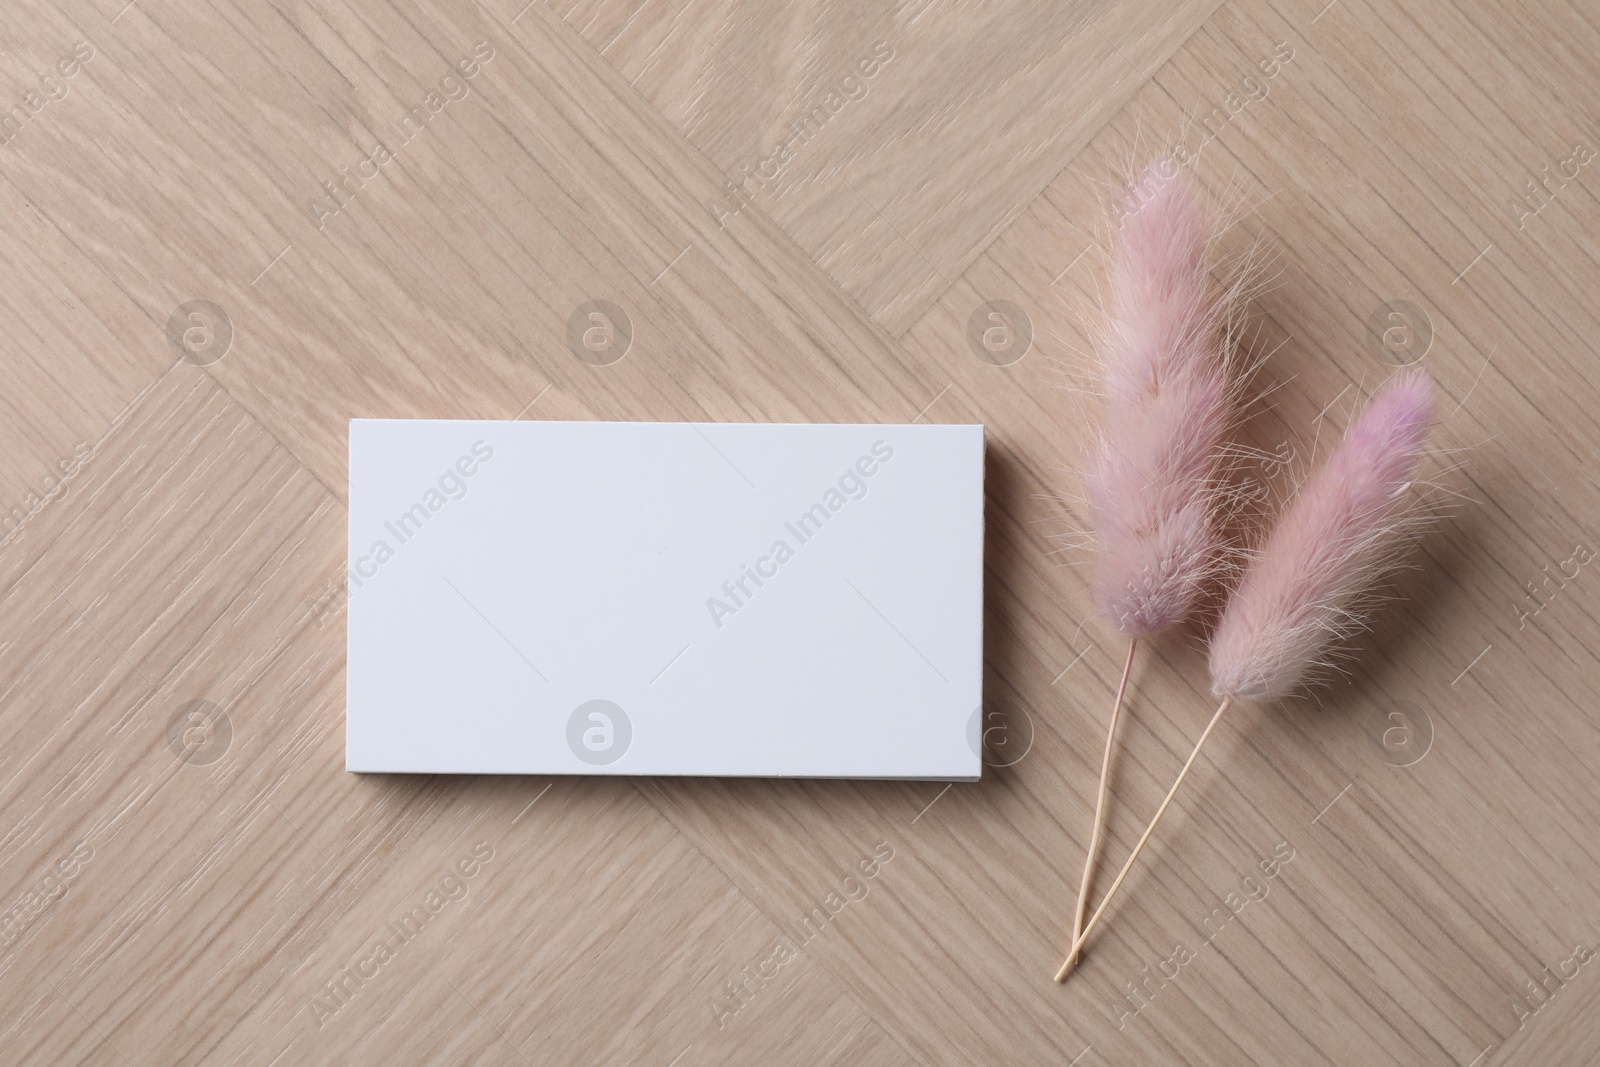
{"x":1312,"y":579}
{"x":1155,"y":476}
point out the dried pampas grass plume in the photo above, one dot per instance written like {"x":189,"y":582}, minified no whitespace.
{"x":1156,"y":477}
{"x":1156,"y":474}
{"x":1309,"y":584}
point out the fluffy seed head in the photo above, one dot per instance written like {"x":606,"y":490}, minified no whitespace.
{"x":1153,"y":480}
{"x":1310,"y":582}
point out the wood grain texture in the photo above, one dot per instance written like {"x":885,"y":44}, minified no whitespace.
{"x":190,"y":875}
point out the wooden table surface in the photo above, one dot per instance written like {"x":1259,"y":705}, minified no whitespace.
{"x":232,"y":226}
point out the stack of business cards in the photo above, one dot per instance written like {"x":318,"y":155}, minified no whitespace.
{"x":665,"y":599}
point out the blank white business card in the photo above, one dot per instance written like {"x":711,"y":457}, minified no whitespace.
{"x":665,"y":599}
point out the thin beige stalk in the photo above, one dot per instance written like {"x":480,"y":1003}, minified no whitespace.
{"x":1077,"y":944}
{"x":1100,"y":804}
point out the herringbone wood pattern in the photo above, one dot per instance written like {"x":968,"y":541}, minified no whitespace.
{"x":802,"y":212}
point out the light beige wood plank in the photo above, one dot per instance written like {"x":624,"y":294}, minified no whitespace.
{"x":951,"y":119}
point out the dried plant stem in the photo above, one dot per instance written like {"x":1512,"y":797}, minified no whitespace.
{"x":1077,"y":944}
{"x":1100,"y":804}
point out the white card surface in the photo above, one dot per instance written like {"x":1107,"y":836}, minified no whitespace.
{"x":665,"y":599}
